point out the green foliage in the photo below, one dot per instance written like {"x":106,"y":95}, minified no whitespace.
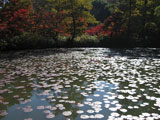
{"x":29,"y":41}
{"x":103,"y":37}
{"x":3,"y":44}
{"x":87,"y":39}
{"x":151,"y":26}
{"x":56,"y":23}
{"x":77,"y":14}
{"x":62,"y":38}
{"x":157,"y":11}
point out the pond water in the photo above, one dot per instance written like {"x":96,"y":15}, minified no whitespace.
{"x":82,"y":83}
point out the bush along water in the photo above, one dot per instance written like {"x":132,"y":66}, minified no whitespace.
{"x":27,"y":24}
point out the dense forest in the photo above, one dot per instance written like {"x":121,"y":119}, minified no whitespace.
{"x":27,"y":24}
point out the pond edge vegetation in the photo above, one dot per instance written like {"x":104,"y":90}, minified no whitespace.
{"x":34,"y":24}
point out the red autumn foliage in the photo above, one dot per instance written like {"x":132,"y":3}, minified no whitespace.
{"x":3,"y":26}
{"x":81,"y":25}
{"x":48,"y":23}
{"x":94,"y":30}
{"x":106,"y":28}
{"x":13,"y":19}
{"x":99,"y":30}
{"x":114,"y":24}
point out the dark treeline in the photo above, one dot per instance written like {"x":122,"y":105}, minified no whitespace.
{"x":31,"y":24}
{"x":131,"y":23}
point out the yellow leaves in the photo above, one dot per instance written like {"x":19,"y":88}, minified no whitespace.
{"x":150,"y":2}
{"x":92,"y":20}
{"x":87,"y":4}
{"x":69,"y":19}
{"x":117,"y":10}
{"x":73,"y":10}
{"x":65,"y":11}
{"x":144,"y":5}
{"x":80,"y":2}
{"x":148,"y":12}
{"x":136,"y":12}
{"x":157,"y":11}
{"x":89,"y":18}
{"x":142,"y":2}
{"x":54,"y":10}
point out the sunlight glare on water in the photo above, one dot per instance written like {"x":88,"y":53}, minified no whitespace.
{"x":89,"y":83}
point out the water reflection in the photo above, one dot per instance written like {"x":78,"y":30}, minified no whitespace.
{"x":80,"y":84}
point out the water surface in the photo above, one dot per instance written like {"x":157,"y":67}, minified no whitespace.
{"x":89,"y":83}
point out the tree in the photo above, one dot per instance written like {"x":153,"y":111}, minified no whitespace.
{"x":14,"y":17}
{"x":148,"y":20}
{"x":48,"y":24}
{"x":77,"y":14}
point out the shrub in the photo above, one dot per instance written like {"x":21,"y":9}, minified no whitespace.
{"x":87,"y":38}
{"x":27,"y":41}
{"x":3,"y":44}
{"x":62,"y":38}
{"x":61,"y":41}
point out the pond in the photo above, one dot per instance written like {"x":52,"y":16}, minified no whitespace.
{"x":80,"y":83}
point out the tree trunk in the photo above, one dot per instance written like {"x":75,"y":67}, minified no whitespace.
{"x":144,"y":21}
{"x":74,"y":28}
{"x":129,"y":19}
{"x":73,"y":23}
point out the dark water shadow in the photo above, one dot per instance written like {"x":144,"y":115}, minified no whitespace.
{"x":26,"y":53}
{"x":111,"y":52}
{"x":136,"y":53}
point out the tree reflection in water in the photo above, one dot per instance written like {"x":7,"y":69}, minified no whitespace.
{"x":79,"y":84}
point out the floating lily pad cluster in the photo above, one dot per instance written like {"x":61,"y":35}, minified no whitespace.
{"x":80,"y":84}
